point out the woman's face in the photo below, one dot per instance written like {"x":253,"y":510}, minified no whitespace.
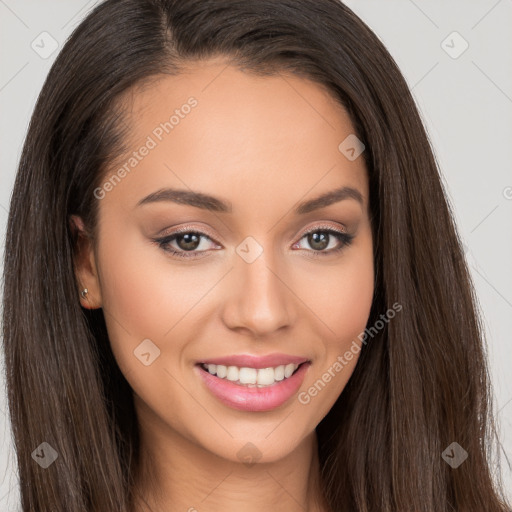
{"x":247,"y":279}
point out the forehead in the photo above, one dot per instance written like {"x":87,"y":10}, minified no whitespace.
{"x":252,"y":139}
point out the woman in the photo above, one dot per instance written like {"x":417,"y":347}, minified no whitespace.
{"x":232,"y":278}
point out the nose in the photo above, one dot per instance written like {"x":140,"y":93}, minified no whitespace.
{"x":259,"y":300}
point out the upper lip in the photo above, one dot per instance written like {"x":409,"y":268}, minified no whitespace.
{"x":250,"y":361}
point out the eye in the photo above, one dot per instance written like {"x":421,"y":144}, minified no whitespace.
{"x":187,"y":242}
{"x":319,"y":239}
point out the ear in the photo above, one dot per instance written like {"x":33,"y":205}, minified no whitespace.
{"x":85,"y":264}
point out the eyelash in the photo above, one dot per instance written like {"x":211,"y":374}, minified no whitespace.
{"x":164,"y":242}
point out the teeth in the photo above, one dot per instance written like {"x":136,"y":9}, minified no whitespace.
{"x":251,"y":377}
{"x":288,"y":370}
{"x":221,"y":371}
{"x":247,"y":375}
{"x":279,"y":373}
{"x":266,"y":376}
{"x":232,"y":373}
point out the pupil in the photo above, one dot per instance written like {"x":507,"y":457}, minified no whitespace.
{"x":321,"y":239}
{"x":191,"y":241}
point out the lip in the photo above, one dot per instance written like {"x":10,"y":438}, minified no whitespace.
{"x":253,"y":399}
{"x":258,"y":362}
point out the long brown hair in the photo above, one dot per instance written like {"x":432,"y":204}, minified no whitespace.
{"x":421,"y":383}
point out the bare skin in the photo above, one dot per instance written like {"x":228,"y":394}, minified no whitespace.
{"x":264,"y":144}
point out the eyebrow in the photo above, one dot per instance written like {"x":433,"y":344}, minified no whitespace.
{"x":213,"y":204}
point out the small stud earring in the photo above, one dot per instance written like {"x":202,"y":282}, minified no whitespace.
{"x":84,"y":292}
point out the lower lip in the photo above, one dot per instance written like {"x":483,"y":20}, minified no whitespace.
{"x":254,"y":399}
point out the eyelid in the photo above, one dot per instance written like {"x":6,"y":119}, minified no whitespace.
{"x":187,"y":229}
{"x":319,"y":227}
{"x":206,"y":231}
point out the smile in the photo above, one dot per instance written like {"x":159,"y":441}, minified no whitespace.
{"x":252,"y":377}
{"x":251,"y":389}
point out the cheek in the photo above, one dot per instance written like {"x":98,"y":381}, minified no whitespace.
{"x":134,"y":293}
{"x":351,"y":308}
{"x":341,"y":299}
{"x":145,"y":295}
{"x":141,"y":287}
{"x":139,"y":299}
{"x":341,"y":295}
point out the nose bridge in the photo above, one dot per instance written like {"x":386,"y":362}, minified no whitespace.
{"x":259,"y":300}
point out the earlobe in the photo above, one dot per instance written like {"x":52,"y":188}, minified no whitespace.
{"x":84,"y":260}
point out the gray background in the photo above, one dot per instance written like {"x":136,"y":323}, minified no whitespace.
{"x":465,"y":98}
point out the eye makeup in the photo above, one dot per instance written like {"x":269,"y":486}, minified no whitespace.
{"x":191,"y":235}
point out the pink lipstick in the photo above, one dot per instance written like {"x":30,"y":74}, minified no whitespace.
{"x":251,"y":383}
